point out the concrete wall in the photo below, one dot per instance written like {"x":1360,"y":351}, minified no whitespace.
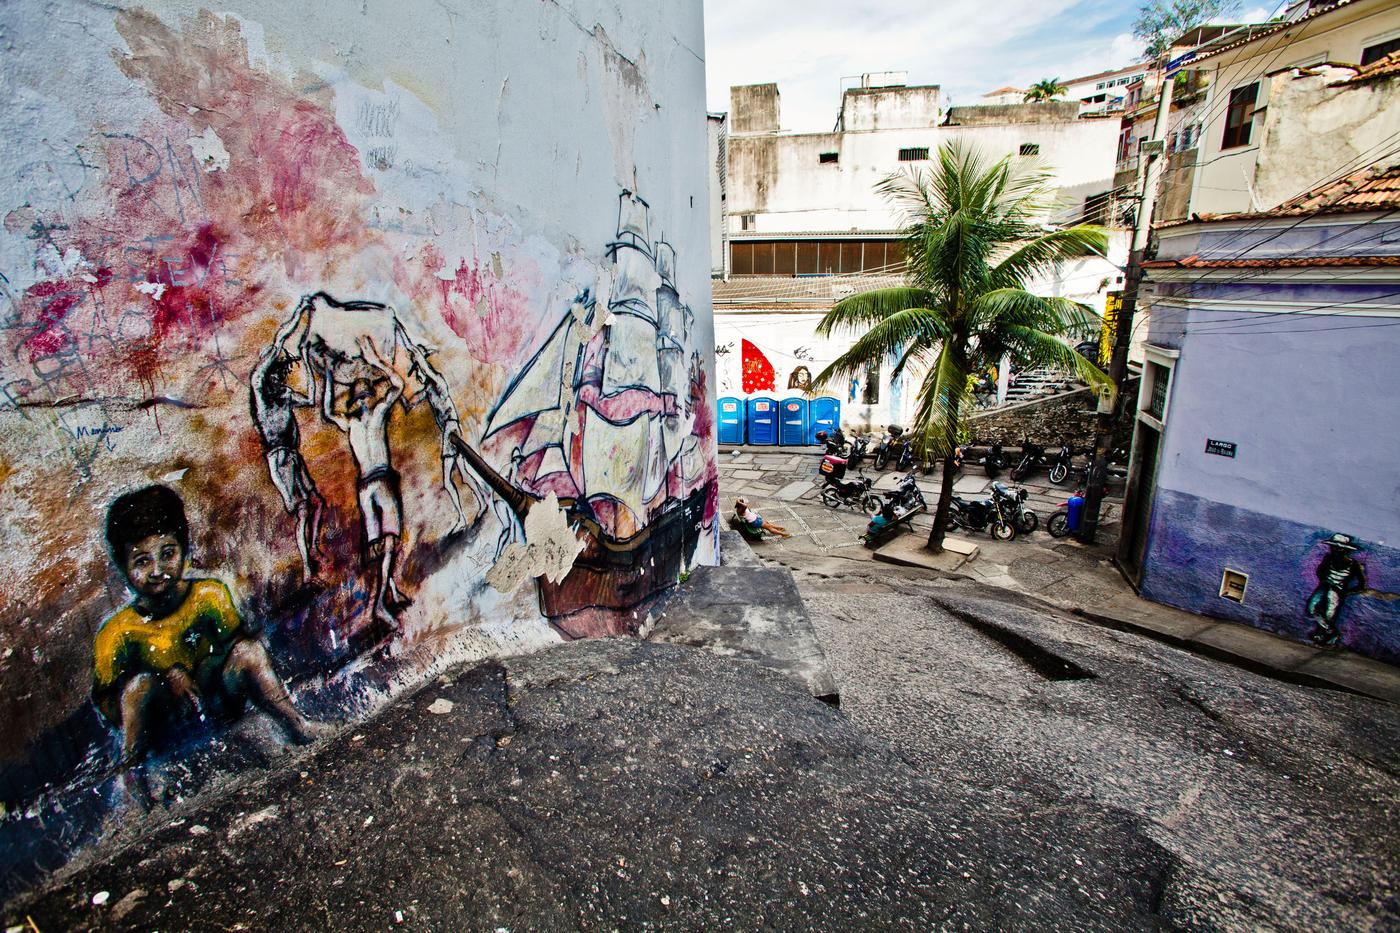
{"x":228,"y":240}
{"x":1224,"y":182}
{"x":1298,"y":369}
{"x":781,"y":180}
{"x":718,"y":163}
{"x":891,"y":108}
{"x":1356,"y":120}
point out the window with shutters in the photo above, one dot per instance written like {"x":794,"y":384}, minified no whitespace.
{"x":917,"y":154}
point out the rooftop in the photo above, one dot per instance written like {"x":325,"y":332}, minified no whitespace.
{"x":1388,"y":67}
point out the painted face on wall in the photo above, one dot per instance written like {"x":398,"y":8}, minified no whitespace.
{"x":154,"y":566}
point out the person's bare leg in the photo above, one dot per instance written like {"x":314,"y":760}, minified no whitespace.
{"x":304,"y":536}
{"x":393,"y":596}
{"x":318,"y":507}
{"x":448,"y":465}
{"x":248,"y":670}
{"x":379,"y":551}
{"x":135,"y":699}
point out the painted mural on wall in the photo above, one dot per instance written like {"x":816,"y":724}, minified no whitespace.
{"x":1317,"y":585}
{"x":282,"y":436}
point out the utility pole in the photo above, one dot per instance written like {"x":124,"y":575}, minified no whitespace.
{"x":1154,"y":151}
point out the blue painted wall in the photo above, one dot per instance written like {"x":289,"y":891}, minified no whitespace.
{"x":1194,"y":539}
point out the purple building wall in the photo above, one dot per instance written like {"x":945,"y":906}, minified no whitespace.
{"x":1300,"y":371}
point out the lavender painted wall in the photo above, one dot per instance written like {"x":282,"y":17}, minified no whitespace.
{"x":1194,"y":538}
{"x":1300,"y":370}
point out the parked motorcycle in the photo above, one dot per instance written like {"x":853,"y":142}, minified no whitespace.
{"x":1066,"y":520}
{"x":1062,"y":466}
{"x":859,"y":451}
{"x":891,"y":446}
{"x":838,"y":491}
{"x":979,"y":514}
{"x":994,"y":462}
{"x":907,"y":496}
{"x":835,"y":443}
{"x":1032,"y":459}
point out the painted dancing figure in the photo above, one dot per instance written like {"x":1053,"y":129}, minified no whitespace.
{"x":366,"y":424}
{"x":274,"y":405}
{"x":1339,"y":574}
{"x":439,"y":397}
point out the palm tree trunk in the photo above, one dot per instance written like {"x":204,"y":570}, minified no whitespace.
{"x":945,"y":503}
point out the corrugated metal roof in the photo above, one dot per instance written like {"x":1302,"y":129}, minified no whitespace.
{"x":786,"y":289}
{"x":811,"y":234}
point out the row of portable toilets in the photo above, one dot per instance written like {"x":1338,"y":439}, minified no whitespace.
{"x":793,"y":422}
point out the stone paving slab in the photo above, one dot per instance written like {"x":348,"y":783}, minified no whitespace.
{"x":795,"y":490}
{"x":970,"y":485}
{"x":745,"y":474}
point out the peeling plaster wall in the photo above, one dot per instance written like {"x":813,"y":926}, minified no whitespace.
{"x":347,"y":266}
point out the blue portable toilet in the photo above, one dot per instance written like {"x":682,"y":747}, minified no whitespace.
{"x":824,"y":414}
{"x":731,"y":421}
{"x":763,"y":421}
{"x":792,"y":422}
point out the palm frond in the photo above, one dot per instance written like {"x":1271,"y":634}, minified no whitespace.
{"x":866,"y":308}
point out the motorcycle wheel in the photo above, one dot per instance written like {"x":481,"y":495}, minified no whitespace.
{"x":1003,"y":531}
{"x":1029,"y":522}
{"x":830,"y":499}
{"x":1059,"y":473}
{"x":1058,"y":525}
{"x":1019,"y":472}
{"x":871,"y":504}
{"x":992,"y":468}
{"x":880,"y":460}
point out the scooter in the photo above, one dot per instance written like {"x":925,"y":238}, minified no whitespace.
{"x":837,"y":491}
{"x":859,"y":450}
{"x":890,"y":446}
{"x":835,"y":443}
{"x":1032,"y":458}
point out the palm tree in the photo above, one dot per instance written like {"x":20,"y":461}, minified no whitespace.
{"x":1045,"y":90}
{"x":972,"y":239}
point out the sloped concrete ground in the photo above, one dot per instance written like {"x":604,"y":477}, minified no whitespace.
{"x":622,"y":784}
{"x":1276,"y":802}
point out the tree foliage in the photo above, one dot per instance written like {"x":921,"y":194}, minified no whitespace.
{"x":973,"y":239}
{"x":1161,"y":21}
{"x":1048,"y":89}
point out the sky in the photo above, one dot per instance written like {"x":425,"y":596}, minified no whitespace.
{"x":969,"y":47}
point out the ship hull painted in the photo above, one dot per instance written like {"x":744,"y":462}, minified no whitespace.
{"x":608,"y":587}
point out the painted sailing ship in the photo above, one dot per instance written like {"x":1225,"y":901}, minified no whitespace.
{"x":604,"y":416}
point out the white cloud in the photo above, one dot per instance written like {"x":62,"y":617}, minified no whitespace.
{"x":967,"y":46}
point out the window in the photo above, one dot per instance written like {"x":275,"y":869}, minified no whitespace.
{"x":1157,"y":400}
{"x":747,"y":221}
{"x":828,"y":158}
{"x":1232,"y":585}
{"x":812,"y":257}
{"x":1100,"y":86}
{"x":918,"y":154}
{"x":1376,"y":52}
{"x":1030,"y":149}
{"x":1239,"y":118}
{"x":870,"y":392}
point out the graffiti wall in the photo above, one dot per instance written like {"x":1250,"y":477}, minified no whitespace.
{"x":1325,"y":586}
{"x":333,"y":353}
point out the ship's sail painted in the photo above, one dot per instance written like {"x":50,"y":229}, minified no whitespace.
{"x":540,"y":385}
{"x":635,"y":282}
{"x":631,"y":361}
{"x":617,"y":460}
